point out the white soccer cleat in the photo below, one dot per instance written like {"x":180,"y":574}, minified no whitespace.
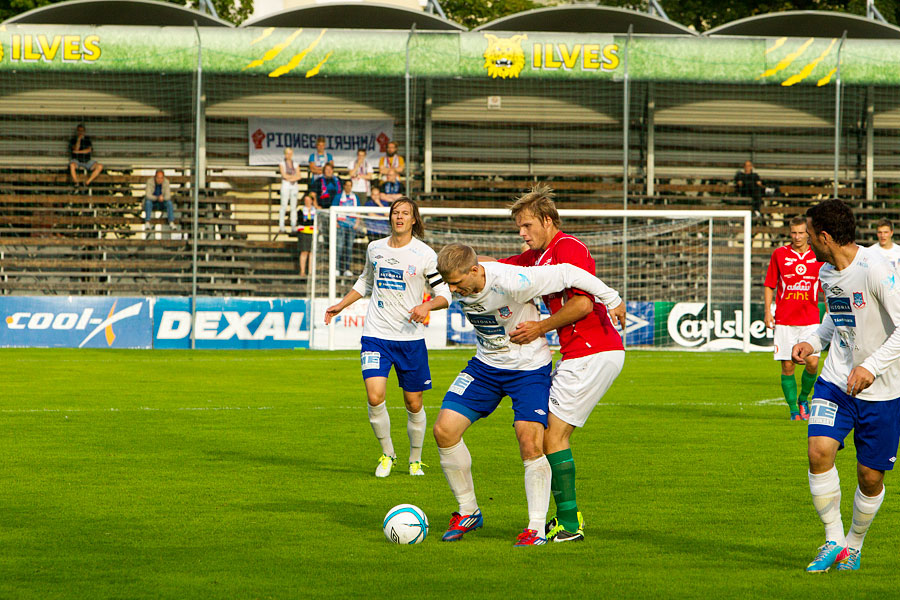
{"x":415,"y":468}
{"x":385,"y":463}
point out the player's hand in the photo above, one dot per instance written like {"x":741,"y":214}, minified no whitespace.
{"x":860,"y":378}
{"x":526,"y":332}
{"x":419,"y":313}
{"x":331,"y":312}
{"x":770,"y":321}
{"x":618,"y":314}
{"x":800,"y":352}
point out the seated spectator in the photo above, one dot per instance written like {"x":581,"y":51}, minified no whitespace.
{"x":379,"y":225}
{"x":80,"y":149}
{"x":158,"y":196}
{"x":306,"y":230}
{"x":290,"y":175}
{"x":346,"y":225}
{"x":748,"y":184}
{"x":328,"y":187}
{"x":317,"y":162}
{"x":392,"y":189}
{"x":391,"y":160}
{"x":361,"y":174}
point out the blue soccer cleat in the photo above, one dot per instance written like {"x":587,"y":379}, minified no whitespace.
{"x":796,"y":417}
{"x":828,"y":553}
{"x":461,"y":525}
{"x":848,"y":559}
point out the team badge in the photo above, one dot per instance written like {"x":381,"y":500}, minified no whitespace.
{"x":858,"y":300}
{"x":411,"y":269}
{"x":800,"y":269}
{"x":505,"y":312}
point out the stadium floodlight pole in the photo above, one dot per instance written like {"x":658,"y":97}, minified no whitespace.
{"x":625,"y":142}
{"x":409,"y":173}
{"x":837,"y":115}
{"x":195,"y":195}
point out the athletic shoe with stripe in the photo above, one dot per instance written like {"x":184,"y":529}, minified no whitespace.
{"x":385,"y":463}
{"x":529,"y":537}
{"x":415,"y":468}
{"x":462,"y":524}
{"x":804,"y":410}
{"x":796,"y":417}
{"x":556,"y":533}
{"x":848,"y":559}
{"x":828,"y":553}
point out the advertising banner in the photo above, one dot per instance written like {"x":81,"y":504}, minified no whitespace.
{"x":74,"y":322}
{"x":639,"y":323}
{"x":687,"y":325}
{"x":267,"y":139}
{"x":348,"y":327}
{"x":231,"y":323}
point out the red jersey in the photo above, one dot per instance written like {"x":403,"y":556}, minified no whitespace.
{"x":795,"y":279}
{"x":594,"y":332}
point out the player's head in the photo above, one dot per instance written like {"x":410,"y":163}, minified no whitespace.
{"x":885,"y":231}
{"x":830,"y":224}
{"x":799,"y":236}
{"x":405,"y":217}
{"x":320,"y":145}
{"x":536,"y":216}
{"x":458,"y":266}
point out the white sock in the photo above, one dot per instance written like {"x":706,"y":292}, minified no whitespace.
{"x":456,"y":462}
{"x":826,"y":493}
{"x":864,"y":510}
{"x":381,"y":425}
{"x":537,"y":491}
{"x":416,"y":424}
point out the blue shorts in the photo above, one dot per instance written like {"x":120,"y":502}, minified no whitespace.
{"x":876,"y":425}
{"x":410,"y":361}
{"x":479,"y":388}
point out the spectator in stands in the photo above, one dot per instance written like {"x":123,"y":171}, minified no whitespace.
{"x":748,"y":184}
{"x":380,"y":225}
{"x":290,"y":175}
{"x":317,"y":162}
{"x":391,"y":189}
{"x":158,"y":196}
{"x":328,"y":187}
{"x":80,"y":149}
{"x":391,"y":160}
{"x":306,"y":230}
{"x":361,"y":174}
{"x":346,"y":225}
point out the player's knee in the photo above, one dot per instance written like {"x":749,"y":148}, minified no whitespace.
{"x":443,"y":435}
{"x":820,"y":458}
{"x":870,"y":480}
{"x":787,"y":367}
{"x":375,"y":398}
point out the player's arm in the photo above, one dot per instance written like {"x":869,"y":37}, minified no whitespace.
{"x":333,"y":311}
{"x":441,"y":299}
{"x":539,"y":281}
{"x":362,"y":287}
{"x":815,"y":342}
{"x":576,"y":308}
{"x":770,"y":283}
{"x":883,"y":283}
{"x":768,"y":296}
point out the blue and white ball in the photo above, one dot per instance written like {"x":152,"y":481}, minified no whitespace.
{"x":405,"y":524}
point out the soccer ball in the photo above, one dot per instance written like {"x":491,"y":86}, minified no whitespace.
{"x":405,"y":524}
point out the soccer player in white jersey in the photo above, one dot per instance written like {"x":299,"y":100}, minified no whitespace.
{"x":889,"y":250}
{"x":496,"y":298}
{"x":397,"y":270}
{"x":859,"y":387}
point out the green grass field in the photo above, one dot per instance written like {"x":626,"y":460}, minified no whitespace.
{"x":135,"y":474}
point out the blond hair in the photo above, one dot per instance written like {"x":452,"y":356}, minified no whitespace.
{"x":455,"y":258}
{"x":539,"y":202}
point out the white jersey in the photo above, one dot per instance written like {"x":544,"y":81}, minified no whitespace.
{"x":505,"y":302}
{"x":892,"y":254}
{"x":861,"y":324}
{"x":396,"y":279}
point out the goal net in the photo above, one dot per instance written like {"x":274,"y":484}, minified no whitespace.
{"x":685,"y":275}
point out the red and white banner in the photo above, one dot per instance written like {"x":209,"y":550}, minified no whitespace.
{"x":267,"y":139}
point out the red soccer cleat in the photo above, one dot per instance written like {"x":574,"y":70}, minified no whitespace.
{"x":530,"y":537}
{"x":462,"y":524}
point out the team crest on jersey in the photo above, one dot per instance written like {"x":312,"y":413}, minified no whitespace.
{"x":505,"y":312}
{"x":858,"y":300}
{"x":800,"y":269}
{"x":411,"y":270}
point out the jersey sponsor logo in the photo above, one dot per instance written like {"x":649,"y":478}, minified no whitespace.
{"x":844,"y":320}
{"x":460,"y":384}
{"x":801,"y":286}
{"x":380,"y":304}
{"x":839,"y":305}
{"x":390,"y":285}
{"x":370,"y":360}
{"x":411,"y":270}
{"x":800,"y":269}
{"x":482,"y":319}
{"x":395,"y":274}
{"x":822,"y":412}
{"x":505,"y":312}
{"x":858,"y":300}
{"x":490,"y":330}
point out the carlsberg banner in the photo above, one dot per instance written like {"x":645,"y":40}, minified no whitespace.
{"x":501,"y":56}
{"x":267,"y":139}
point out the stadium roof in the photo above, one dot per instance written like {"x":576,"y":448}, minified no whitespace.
{"x":355,"y":15}
{"x":116,"y":12}
{"x":808,"y":23}
{"x":586,"y":19}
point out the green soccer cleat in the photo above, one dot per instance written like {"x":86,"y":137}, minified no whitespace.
{"x":556,"y":533}
{"x":415,"y":468}
{"x":848,"y":559}
{"x":385,"y":463}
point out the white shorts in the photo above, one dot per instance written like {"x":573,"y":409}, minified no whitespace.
{"x":577,"y":384}
{"x":786,"y":336}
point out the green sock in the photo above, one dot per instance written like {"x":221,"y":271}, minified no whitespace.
{"x":562,"y":484}
{"x":789,"y":387}
{"x":807,"y":380}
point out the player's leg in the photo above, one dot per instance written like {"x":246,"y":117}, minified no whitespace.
{"x":832,"y":416}
{"x":411,"y":365}
{"x":807,"y":381}
{"x":376,"y":365}
{"x":784,"y":343}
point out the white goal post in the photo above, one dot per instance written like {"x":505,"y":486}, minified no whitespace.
{"x":681,"y":271}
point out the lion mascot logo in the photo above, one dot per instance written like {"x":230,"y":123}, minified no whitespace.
{"x":504,"y":57}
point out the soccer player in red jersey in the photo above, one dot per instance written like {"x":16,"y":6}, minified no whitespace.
{"x":793,"y":281}
{"x":591,"y":347}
